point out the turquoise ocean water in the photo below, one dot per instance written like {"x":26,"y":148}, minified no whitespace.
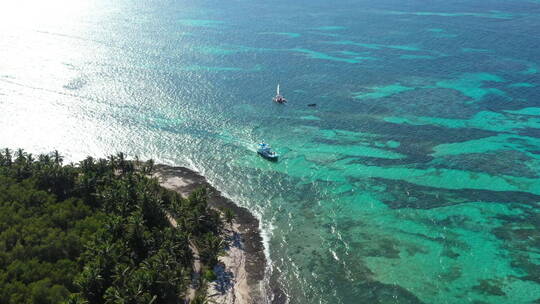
{"x":414,"y":180}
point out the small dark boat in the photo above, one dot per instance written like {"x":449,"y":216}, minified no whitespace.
{"x":265,"y":151}
{"x":278,"y":98}
{"x":312,"y":105}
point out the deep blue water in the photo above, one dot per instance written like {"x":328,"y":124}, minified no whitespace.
{"x":414,"y":180}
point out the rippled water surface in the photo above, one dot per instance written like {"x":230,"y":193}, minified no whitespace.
{"x":414,"y":180}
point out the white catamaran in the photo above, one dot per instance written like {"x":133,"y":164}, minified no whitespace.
{"x":279,"y":98}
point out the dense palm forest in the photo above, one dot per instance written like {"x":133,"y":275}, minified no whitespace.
{"x":97,"y":232}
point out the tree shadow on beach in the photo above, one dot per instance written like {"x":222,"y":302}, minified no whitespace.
{"x":224,"y":281}
{"x":233,"y":239}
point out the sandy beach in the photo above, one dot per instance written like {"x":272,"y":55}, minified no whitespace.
{"x":241,"y":273}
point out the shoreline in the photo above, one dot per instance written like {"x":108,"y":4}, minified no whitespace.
{"x":245,"y":263}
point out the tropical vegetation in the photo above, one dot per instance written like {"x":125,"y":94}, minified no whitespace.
{"x":98,"y":231}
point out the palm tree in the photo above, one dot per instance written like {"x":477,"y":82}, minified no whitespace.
{"x":210,"y":247}
{"x":148,"y":167}
{"x":87,"y":164}
{"x":44,"y":159}
{"x":58,"y":159}
{"x":91,"y":283}
{"x":29,"y":158}
{"x":76,"y":299}
{"x":7,"y":155}
{"x":102,"y":166}
{"x":112,"y":162}
{"x":229,"y":216}
{"x":20,"y":156}
{"x":121,"y":161}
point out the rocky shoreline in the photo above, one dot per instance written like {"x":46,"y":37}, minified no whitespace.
{"x":246,"y":262}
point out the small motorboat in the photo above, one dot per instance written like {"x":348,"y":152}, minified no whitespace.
{"x":278,"y":98}
{"x":265,"y":151}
